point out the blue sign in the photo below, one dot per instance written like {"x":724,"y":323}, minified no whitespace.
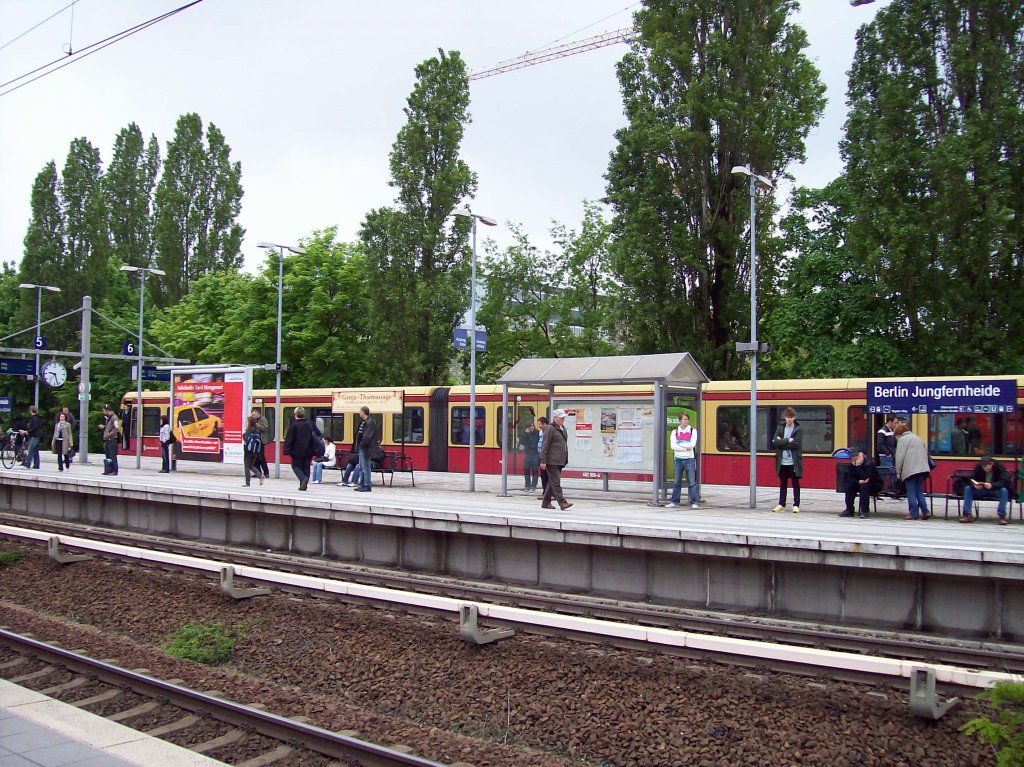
{"x":40,"y":342}
{"x":5,"y":404}
{"x":128,"y":349}
{"x":150,"y":373}
{"x":17,"y":367}
{"x":977,"y":396}
{"x":462,"y":339}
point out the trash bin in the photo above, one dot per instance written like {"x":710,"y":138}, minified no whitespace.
{"x":842,"y":470}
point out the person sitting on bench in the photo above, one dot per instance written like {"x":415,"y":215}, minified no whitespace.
{"x":862,"y":481}
{"x":990,"y":481}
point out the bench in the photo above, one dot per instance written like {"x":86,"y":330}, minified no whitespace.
{"x":955,"y":492}
{"x":391,"y":463}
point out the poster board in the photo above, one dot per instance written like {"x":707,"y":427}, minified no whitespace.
{"x":611,"y":435}
{"x":209,"y":408}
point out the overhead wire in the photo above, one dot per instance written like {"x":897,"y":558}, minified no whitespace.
{"x":588,"y":26}
{"x":90,"y":49}
{"x":32,"y":29}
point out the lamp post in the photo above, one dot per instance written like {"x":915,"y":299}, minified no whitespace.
{"x":139,"y":411}
{"x":280,"y":283}
{"x":474,"y":217}
{"x":39,"y":318}
{"x":753,"y":347}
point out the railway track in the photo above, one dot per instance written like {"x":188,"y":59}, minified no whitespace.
{"x":971,"y":654}
{"x":199,"y":721}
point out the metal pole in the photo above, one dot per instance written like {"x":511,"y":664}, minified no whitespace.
{"x":138,"y":377}
{"x":472,"y":366}
{"x":504,"y":441}
{"x":753,"y":339}
{"x":39,"y":318}
{"x":277,"y":402}
{"x":84,"y":396}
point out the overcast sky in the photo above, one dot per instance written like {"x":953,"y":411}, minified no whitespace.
{"x":309,"y":95}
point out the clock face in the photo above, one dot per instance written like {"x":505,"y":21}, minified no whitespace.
{"x":54,"y":373}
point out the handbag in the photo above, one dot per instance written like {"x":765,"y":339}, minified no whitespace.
{"x":931,"y":463}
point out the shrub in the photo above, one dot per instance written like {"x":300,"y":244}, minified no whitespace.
{"x":9,"y":557}
{"x":1006,"y":733}
{"x":209,"y":643}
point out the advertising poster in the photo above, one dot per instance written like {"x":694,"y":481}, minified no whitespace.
{"x":208,"y":414}
{"x":585,"y":429}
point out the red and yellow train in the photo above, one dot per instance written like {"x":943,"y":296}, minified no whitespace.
{"x":435,"y":427}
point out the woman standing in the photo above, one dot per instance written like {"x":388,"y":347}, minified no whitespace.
{"x":166,"y":443}
{"x":789,"y":458}
{"x":62,"y":443}
{"x":912,"y":467}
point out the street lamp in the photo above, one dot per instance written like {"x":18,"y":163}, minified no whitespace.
{"x":138,"y":349}
{"x":752,"y":348}
{"x":39,"y":316}
{"x":474,"y":217}
{"x":280,"y":282}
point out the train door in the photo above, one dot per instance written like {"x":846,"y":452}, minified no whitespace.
{"x":437,"y":452}
{"x":522,"y":414}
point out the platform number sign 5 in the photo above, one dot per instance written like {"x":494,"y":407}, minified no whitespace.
{"x":40,"y":342}
{"x":129,"y":348}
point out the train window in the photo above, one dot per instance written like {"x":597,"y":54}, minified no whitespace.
{"x":271,"y":415}
{"x":408,"y":427}
{"x":974,"y":434}
{"x":150,"y":421}
{"x":460,"y":426}
{"x":858,"y":432}
{"x":816,"y":421}
{"x":333,"y":423}
{"x":524,"y":416}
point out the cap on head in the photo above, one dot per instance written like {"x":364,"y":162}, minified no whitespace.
{"x":107,"y":407}
{"x":558,"y":414}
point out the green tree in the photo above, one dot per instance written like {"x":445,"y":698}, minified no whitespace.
{"x":128,"y":186}
{"x":827,"y":321}
{"x":708,"y":84}
{"x":197,"y":202}
{"x":934,"y":152}
{"x":43,"y":262}
{"x":417,"y":261}
{"x":86,"y":234}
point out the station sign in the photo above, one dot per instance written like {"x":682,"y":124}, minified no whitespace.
{"x":461,"y":339}
{"x":14,"y":366}
{"x":5,"y":404}
{"x":151,"y":373}
{"x":975,"y":396}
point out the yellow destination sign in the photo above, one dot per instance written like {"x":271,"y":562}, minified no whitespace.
{"x":378,"y":400}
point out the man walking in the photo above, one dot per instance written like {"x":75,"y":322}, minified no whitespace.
{"x":298,"y":445}
{"x":34,"y":432}
{"x":553,"y":458}
{"x":263,"y":427}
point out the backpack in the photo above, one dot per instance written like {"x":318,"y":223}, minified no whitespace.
{"x":317,"y":441}
{"x":254,"y":444}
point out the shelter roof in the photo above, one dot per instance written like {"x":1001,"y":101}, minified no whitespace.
{"x":678,"y":368}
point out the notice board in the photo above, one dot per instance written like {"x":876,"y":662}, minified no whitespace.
{"x":611,"y":435}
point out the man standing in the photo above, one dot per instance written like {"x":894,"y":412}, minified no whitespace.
{"x":684,"y":441}
{"x":990,"y":481}
{"x":885,"y":443}
{"x":298,"y":444}
{"x":369,"y":444}
{"x":111,"y":435}
{"x":553,"y":458}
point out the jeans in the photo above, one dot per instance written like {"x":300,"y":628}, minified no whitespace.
{"x":916,"y":499}
{"x":786,"y":473}
{"x":318,"y":470}
{"x":165,"y":458}
{"x":352,"y":472}
{"x":531,"y":467}
{"x":970,"y":493}
{"x":886,"y":460}
{"x":32,"y":461}
{"x":251,"y":464}
{"x":110,"y":451}
{"x":689,"y":465}
{"x":366,"y":480}
{"x":63,"y":459}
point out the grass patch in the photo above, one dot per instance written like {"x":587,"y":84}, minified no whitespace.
{"x":207,"y":643}
{"x":10,"y":556}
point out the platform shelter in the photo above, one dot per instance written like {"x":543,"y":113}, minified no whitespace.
{"x":666,"y":374}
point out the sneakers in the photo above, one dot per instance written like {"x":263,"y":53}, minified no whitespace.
{"x":344,"y":484}
{"x":672,"y":506}
{"x":796,"y":509}
{"x":694,"y":506}
{"x":779,"y":508}
{"x":865,"y":516}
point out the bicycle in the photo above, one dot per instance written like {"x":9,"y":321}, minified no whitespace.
{"x":8,"y":456}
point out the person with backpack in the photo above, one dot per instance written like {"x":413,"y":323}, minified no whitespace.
{"x":264,"y":428}
{"x":298,"y":444}
{"x":252,"y":457}
{"x":327,"y":461}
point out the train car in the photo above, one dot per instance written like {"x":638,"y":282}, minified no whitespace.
{"x":435,"y":427}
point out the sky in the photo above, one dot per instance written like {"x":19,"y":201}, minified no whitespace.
{"x":309,"y":96}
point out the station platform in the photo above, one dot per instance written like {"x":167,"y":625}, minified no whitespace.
{"x":38,"y":731}
{"x":884,"y":571}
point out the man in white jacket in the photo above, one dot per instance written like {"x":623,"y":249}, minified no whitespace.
{"x":684,"y":443}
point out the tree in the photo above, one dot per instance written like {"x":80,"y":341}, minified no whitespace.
{"x":128,"y":186}
{"x":934,"y":152}
{"x":197,"y":202}
{"x":417,"y":261}
{"x":708,"y":84}
{"x":828,"y":321}
{"x":86,"y":235}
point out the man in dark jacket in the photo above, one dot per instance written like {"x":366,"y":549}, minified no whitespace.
{"x":34,"y":432}
{"x":885,"y":443}
{"x":298,"y":443}
{"x":369,"y":445}
{"x":862,"y":481}
{"x":990,"y":481}
{"x":554,"y":456}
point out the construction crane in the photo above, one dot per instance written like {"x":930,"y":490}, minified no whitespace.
{"x":530,"y":58}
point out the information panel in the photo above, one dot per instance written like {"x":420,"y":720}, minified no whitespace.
{"x":610,"y":435}
{"x":209,"y":411}
{"x":993,"y":396}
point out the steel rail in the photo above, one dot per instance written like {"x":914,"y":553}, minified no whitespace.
{"x":274,"y":726}
{"x":968,"y":653}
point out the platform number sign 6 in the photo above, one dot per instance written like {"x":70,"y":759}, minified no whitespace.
{"x":128,"y":348}
{"x":40,"y":342}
